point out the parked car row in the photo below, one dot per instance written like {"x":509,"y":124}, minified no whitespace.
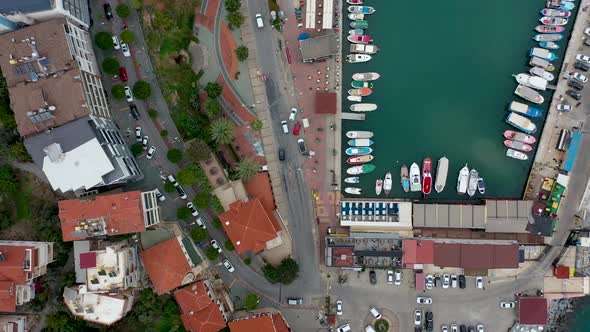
{"x":462,"y":328}
{"x":428,"y":318}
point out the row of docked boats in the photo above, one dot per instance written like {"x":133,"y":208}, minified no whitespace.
{"x":362,"y":86}
{"x":360,"y":49}
{"x":470,"y":182}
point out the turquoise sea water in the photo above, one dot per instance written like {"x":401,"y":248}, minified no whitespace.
{"x":445,"y":85}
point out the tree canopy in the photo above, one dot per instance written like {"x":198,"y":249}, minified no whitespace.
{"x":251,"y":301}
{"x":247,"y":168}
{"x":285,"y":273}
{"x":222,"y":131}
{"x":174,"y":155}
{"x":110,"y":65}
{"x":8,"y":181}
{"x":198,"y":234}
{"x":127,"y":36}
{"x":213,"y":107}
{"x":202,"y":200}
{"x":196,"y":150}
{"x":123,"y":10}
{"x":235,"y":19}
{"x":142,"y":90}
{"x":213,"y":89}
{"x":183,"y":213}
{"x":118,"y":91}
{"x":186,"y":176}
{"x":256,"y":125}
{"x":212,"y":253}
{"x":103,"y":40}
{"x":232,"y":5}
{"x":242,"y":53}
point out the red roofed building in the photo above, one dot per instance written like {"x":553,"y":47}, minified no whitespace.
{"x":417,"y":252}
{"x":342,"y":256}
{"x":259,"y":187}
{"x":269,"y":322}
{"x":115,"y":214}
{"x":532,"y":310}
{"x":476,"y":256}
{"x":172,"y":263}
{"x":20,"y":263}
{"x":200,"y":310}
{"x":249,"y":227}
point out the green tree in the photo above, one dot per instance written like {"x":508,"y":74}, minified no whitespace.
{"x":216,"y":223}
{"x":174,"y":155}
{"x":186,"y":176}
{"x":285,"y":273}
{"x":136,"y":4}
{"x":196,"y":150}
{"x":195,"y":100}
{"x":142,"y":89}
{"x":136,"y":149}
{"x":163,"y":20}
{"x":183,"y":213}
{"x":229,"y":245}
{"x":256,"y":125}
{"x":198,"y":234}
{"x":103,"y":40}
{"x":222,"y":131}
{"x":247,"y":260}
{"x":247,"y":168}
{"x":18,"y":152}
{"x":213,"y":107}
{"x":232,"y":5}
{"x":251,"y":301}
{"x":127,"y":36}
{"x":202,"y":200}
{"x":8,"y":181}
{"x":118,"y":91}
{"x":242,"y":53}
{"x":235,"y":19}
{"x":123,"y":10}
{"x":213,"y":89}
{"x":212,"y":253}
{"x":110,"y":65}
{"x":164,"y":133}
{"x":169,"y":187}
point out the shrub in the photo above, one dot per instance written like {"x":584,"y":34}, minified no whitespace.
{"x":136,"y":4}
{"x":123,"y":10}
{"x":142,"y":90}
{"x":186,"y":176}
{"x":212,"y":254}
{"x":381,"y":325}
{"x":127,"y":36}
{"x":163,"y":132}
{"x":213,"y":107}
{"x":110,"y":65}
{"x":118,"y":91}
{"x":213,"y":89}
{"x":183,"y":213}
{"x":163,"y":20}
{"x":198,"y":234}
{"x":103,"y":40}
{"x":256,"y":125}
{"x":216,"y":223}
{"x":136,"y":149}
{"x":216,"y":205}
{"x":169,"y":187}
{"x":248,"y":261}
{"x":229,"y":245}
{"x":174,"y":155}
{"x":202,"y":200}
{"x":251,"y":301}
{"x":235,"y":19}
{"x":242,"y":53}
{"x":8,"y":180}
{"x":285,"y":273}
{"x":153,"y":113}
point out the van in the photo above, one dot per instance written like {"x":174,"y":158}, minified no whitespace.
{"x":294,"y":301}
{"x":259,"y":22}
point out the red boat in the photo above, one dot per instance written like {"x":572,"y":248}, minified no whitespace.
{"x":359,"y":39}
{"x":549,"y":29}
{"x":426,"y":176}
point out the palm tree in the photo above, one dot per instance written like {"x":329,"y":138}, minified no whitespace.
{"x":247,"y":168}
{"x":222,"y":131}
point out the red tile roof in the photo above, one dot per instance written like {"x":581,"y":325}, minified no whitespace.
{"x":248,"y":226}
{"x":123,"y":213}
{"x":417,"y":252}
{"x":343,"y":256}
{"x":262,"y":323}
{"x":259,"y":187}
{"x":199,"y":312}
{"x":87,"y":260}
{"x":166,"y":265}
{"x":532,"y":310}
{"x":561,"y":272}
{"x":476,"y":256}
{"x":11,"y":275}
{"x":325,"y":103}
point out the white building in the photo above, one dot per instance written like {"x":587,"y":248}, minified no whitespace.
{"x":95,"y":307}
{"x":18,"y":13}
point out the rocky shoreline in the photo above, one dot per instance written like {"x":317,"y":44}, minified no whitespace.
{"x":561,"y":313}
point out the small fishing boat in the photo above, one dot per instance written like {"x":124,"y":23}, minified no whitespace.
{"x":359,"y":134}
{"x":361,"y":9}
{"x":364,"y":48}
{"x":472,"y":187}
{"x":354,"y":2}
{"x":359,"y":39}
{"x":363,"y":92}
{"x":516,"y":145}
{"x":358,"y":58}
{"x":520,"y":122}
{"x":531,"y":81}
{"x":538,"y":71}
{"x":567,"y":5}
{"x":538,"y":62}
{"x":387,"y":184}
{"x":363,"y":107}
{"x":525,"y":109}
{"x":357,"y":160}
{"x":361,"y":169}
{"x":463,"y":180}
{"x":359,"y":24}
{"x":555,"y":12}
{"x":357,"y":99}
{"x":361,"y":84}
{"x":358,"y":151}
{"x":516,"y":154}
{"x":365,"y":76}
{"x":481,"y":185}
{"x":356,"y":31}
{"x":548,"y":37}
{"x":549,"y":29}
{"x":549,"y":45}
{"x":426,"y":176}
{"x":360,"y":142}
{"x":526,"y":93}
{"x":353,"y":190}
{"x":542,"y":53}
{"x":415,"y":183}
{"x":556,"y":3}
{"x":553,"y":20}
{"x":378,"y":186}
{"x":352,"y":179}
{"x":405,"y":178}
{"x":356,"y":17}
{"x":521,"y":137}
{"x":442,"y":169}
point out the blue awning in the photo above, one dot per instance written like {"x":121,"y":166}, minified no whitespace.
{"x":572,"y":151}
{"x":303,"y":36}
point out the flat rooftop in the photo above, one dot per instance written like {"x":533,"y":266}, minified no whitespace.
{"x":319,"y":47}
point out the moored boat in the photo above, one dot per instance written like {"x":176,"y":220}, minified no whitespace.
{"x":520,"y":122}
{"x":359,"y":39}
{"x":521,"y":137}
{"x":472,"y":187}
{"x":534,"y":82}
{"x":463,"y":180}
{"x":361,"y":169}
{"x":356,"y":17}
{"x":442,"y":169}
{"x":365,"y":76}
{"x":361,"y":9}
{"x":553,"y":20}
{"x":481,"y":185}
{"x":538,"y":71}
{"x":426,"y":176}
{"x":555,"y":12}
{"x":549,"y":29}
{"x":387,"y":183}
{"x":352,"y":190}
{"x":548,"y":37}
{"x":358,"y":58}
{"x":526,"y":93}
{"x":516,"y":145}
{"x":538,"y":62}
{"x":356,"y":31}
{"x":378,"y":186}
{"x":363,"y":92}
{"x":354,"y":2}
{"x":363,"y":107}
{"x":358,"y":151}
{"x":360,"y":142}
{"x":357,"y":99}
{"x":415,"y":183}
{"x":359,"y":24}
{"x":352,"y":179}
{"x":361,"y":84}
{"x":356,"y":160}
{"x":364,"y":48}
{"x":405,"y":178}
{"x":516,"y":154}
{"x":567,"y":5}
{"x":549,"y":45}
{"x":525,"y":109}
{"x":359,"y":134}
{"x":542,"y":53}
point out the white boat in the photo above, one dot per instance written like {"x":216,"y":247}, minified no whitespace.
{"x":415,"y":181}
{"x":516,"y":154}
{"x":534,"y":82}
{"x":387,"y":183}
{"x":538,"y":62}
{"x":356,"y":17}
{"x":363,"y":48}
{"x":472,"y":187}
{"x":463,"y":180}
{"x":363,"y":107}
{"x":520,"y":122}
{"x":378,"y":186}
{"x":360,"y":142}
{"x":352,"y":179}
{"x":361,"y":9}
{"x":538,"y":71}
{"x":358,"y":58}
{"x":529,"y":94}
{"x":357,"y":99}
{"x":365,"y":76}
{"x":442,"y":168}
{"x":359,"y":134}
{"x":525,"y":109}
{"x":352,"y":190}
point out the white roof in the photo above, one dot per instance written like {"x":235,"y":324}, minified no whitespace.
{"x":110,"y":259}
{"x":102,"y":309}
{"x":310,"y":14}
{"x":328,"y":14}
{"x":82,"y":167}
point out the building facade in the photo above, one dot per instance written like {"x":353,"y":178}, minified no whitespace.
{"x":17,"y":14}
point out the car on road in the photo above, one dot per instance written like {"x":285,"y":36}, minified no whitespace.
{"x":429,"y":280}
{"x":259,"y":22}
{"x":576,"y":85}
{"x":193,"y":209}
{"x":375,"y":312}
{"x":418,"y":317}
{"x":108,"y":11}
{"x":159,"y":195}
{"x":373,"y":277}
{"x":284,"y":127}
{"x":151,"y":152}
{"x":507,"y":304}
{"x":345,"y":327}
{"x":216,"y":246}
{"x":180,"y":191}
{"x":453,"y":280}
{"x":116,"y":44}
{"x":294,"y":301}
{"x":564,"y":107}
{"x":297,"y":128}
{"x":583,"y":58}
{"x":144,"y":142}
{"x":423,"y":300}
{"x":281,"y":154}
{"x":200,"y":223}
{"x":301,"y":144}
{"x":292,"y":114}
{"x":138,"y":134}
{"x":444,"y":328}
{"x":480,"y":328}
{"x":581,"y":66}
{"x":462,"y":281}
{"x":339,"y":307}
{"x":454,"y":328}
{"x":398,"y":277}
{"x":228,"y":265}
{"x":580,"y":78}
{"x":125,"y":50}
{"x":479,"y":282}
{"x":134,"y":112}
{"x":389,"y":277}
{"x":446,"y":281}
{"x":128,"y":94}
{"x":573,"y":94}
{"x":123,"y":74}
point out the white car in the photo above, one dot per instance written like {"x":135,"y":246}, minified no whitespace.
{"x":454,"y":328}
{"x":138,"y":134}
{"x":216,"y":246}
{"x":259,"y":22}
{"x":389,"y":277}
{"x":417,"y":317}
{"x":375,"y":312}
{"x":580,"y":78}
{"x":398,"y":278}
{"x":429,"y":280}
{"x":339,"y":307}
{"x":116,"y":44}
{"x":193,"y":209}
{"x":159,"y":195}
{"x":125,"y":49}
{"x":345,"y":327}
{"x":446,"y":281}
{"x":564,"y":107}
{"x":583,"y":58}
{"x":480,"y":328}
{"x":151,"y":152}
{"x":128,"y":94}
{"x":293,"y":114}
{"x":587,"y":31}
{"x":144,"y":142}
{"x":201,"y":223}
{"x":423,"y":300}
{"x":479,"y":282}
{"x":453,"y":280}
{"x":444,"y":328}
{"x":285,"y":127}
{"x":228,"y":265}
{"x":507,"y":305}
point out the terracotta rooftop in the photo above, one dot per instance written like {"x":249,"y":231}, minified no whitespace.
{"x":532,"y":310}
{"x":11,"y":275}
{"x":117,"y":214}
{"x":166,"y":265}
{"x":259,"y":187}
{"x":417,"y":252}
{"x":42,"y":74}
{"x":343,"y":256}
{"x":325,"y":103}
{"x":261,"y":323}
{"x":198,"y":311}
{"x":476,"y":256}
{"x":248,"y":226}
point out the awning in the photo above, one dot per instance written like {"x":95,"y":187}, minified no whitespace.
{"x":572,"y":151}
{"x":420,"y":284}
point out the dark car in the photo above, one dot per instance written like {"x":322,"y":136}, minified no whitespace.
{"x":575,"y":85}
{"x":418,"y":329}
{"x":181,"y":192}
{"x":281,"y":154}
{"x":123,"y":74}
{"x":134,"y":112}
{"x":462,"y":281}
{"x":429,"y":323}
{"x":462,"y":328}
{"x":573,"y":94}
{"x":581,"y":66}
{"x":108,"y":12}
{"x":373,"y":277}
{"x":471,"y":329}
{"x":437,"y":282}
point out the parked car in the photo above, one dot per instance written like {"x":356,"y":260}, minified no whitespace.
{"x":285,"y":127}
{"x":580,"y":78}
{"x":581,"y":66}
{"x":294,"y":301}
{"x":200,"y":223}
{"x":228,"y":265}
{"x":216,"y":246}
{"x":144,"y":142}
{"x":418,"y":317}
{"x":479,"y":282}
{"x":134,"y":112}
{"x":429,"y":280}
{"x":446,"y":281}
{"x":281,"y":154}
{"x":373,"y":277}
{"x":507,"y":304}
{"x":462,"y":281}
{"x":339,"y":307}
{"x":193,"y":209}
{"x":369,"y":328}
{"x":576,"y":85}
{"x":297,"y":128}
{"x":293,"y":114}
{"x":259,"y":22}
{"x":429,"y":323}
{"x":138,"y":134}
{"x":587,"y":31}
{"x":463,"y":328}
{"x":108,"y":11}
{"x":116,"y":44}
{"x":564,"y":107}
{"x":159,"y":195}
{"x":453,"y":280}
{"x":389,"y":277}
{"x":181,"y":192}
{"x":398,"y":278}
{"x":454,"y":328}
{"x":583,"y":58}
{"x":123,"y":74}
{"x":471,"y":328}
{"x":375,"y":312}
{"x":480,"y":328}
{"x":128,"y":94}
{"x":573,"y":94}
{"x":437,"y":280}
{"x":125,"y":50}
{"x":301,"y":144}
{"x":345,"y":327}
{"x":151,"y":152}
{"x":444,"y":328}
{"x":423,"y":300}
{"x":172,"y":180}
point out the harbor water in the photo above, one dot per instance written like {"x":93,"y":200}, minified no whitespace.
{"x":446,"y":81}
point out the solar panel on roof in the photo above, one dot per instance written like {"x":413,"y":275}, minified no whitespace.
{"x":44,"y":62}
{"x":37,"y":117}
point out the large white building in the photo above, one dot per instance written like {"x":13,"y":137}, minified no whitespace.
{"x":18,"y":13}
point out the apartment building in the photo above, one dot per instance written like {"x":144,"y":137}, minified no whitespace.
{"x":17,"y":14}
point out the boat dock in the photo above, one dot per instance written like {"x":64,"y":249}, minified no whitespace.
{"x":353,"y":116}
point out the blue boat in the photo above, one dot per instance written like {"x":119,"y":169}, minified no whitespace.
{"x":358,"y":151}
{"x":549,"y":45}
{"x":542,"y":53}
{"x":525,"y":109}
{"x":567,"y":6}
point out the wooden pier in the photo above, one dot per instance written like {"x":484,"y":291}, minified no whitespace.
{"x":353,"y":116}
